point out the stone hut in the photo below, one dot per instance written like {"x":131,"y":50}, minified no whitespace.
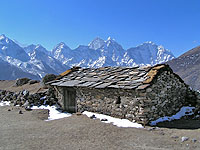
{"x":142,"y":94}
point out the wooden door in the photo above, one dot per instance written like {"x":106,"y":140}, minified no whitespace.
{"x":70,"y":100}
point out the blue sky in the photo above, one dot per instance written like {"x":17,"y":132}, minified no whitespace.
{"x":175,"y":24}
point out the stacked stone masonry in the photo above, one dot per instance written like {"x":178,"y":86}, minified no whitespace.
{"x":165,"y":94}
{"x":164,"y":98}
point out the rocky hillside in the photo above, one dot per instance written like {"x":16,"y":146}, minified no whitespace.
{"x":187,"y":66}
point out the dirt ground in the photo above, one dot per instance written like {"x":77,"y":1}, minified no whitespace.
{"x":29,"y":131}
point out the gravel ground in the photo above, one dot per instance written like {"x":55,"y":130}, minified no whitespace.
{"x":29,"y":131}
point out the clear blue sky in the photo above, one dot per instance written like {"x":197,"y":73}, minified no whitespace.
{"x":175,"y":24}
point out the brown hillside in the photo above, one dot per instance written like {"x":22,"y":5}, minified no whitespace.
{"x":187,"y":66}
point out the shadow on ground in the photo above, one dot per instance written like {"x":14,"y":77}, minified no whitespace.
{"x":180,"y":124}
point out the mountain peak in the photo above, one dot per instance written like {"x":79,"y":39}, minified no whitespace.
{"x":62,"y":43}
{"x":5,"y":39}
{"x":2,"y":36}
{"x":98,"y":39}
{"x":110,"y":42}
{"x":60,"y":47}
{"x":149,"y":42}
{"x":39,"y":46}
{"x":96,"y":43}
{"x":110,"y":39}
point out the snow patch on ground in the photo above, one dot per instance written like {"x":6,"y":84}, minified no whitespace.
{"x":53,"y":112}
{"x":185,"y":111}
{"x":4,"y":103}
{"x":115,"y":121}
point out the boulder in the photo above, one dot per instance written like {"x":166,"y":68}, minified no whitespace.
{"x":48,"y":78}
{"x":33,"y":81}
{"x":21,"y":81}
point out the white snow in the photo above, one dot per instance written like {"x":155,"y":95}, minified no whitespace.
{"x":53,"y":112}
{"x":4,"y":103}
{"x":185,"y":111}
{"x":115,"y":121}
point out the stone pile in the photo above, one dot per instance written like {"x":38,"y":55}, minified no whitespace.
{"x":22,"y":81}
{"x":25,"y":99}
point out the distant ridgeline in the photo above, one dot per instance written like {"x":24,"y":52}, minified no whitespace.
{"x":34,"y":61}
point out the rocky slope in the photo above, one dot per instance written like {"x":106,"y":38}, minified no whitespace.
{"x":10,"y":72}
{"x":187,"y":66}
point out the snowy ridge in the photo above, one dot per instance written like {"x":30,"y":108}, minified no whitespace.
{"x":36,"y":60}
{"x":101,"y":53}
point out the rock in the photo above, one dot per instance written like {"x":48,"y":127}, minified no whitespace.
{"x":184,"y":138}
{"x":93,"y":117}
{"x":20,"y":112}
{"x":26,"y":104}
{"x":21,"y":81}
{"x":161,"y":133}
{"x":104,"y":119}
{"x":3,"y":92}
{"x":174,"y":137}
{"x":78,"y":113}
{"x":48,"y":78}
{"x":28,"y":108}
{"x":14,"y":103}
{"x":25,"y":93}
{"x":194,"y":140}
{"x":153,"y":128}
{"x":33,"y":81}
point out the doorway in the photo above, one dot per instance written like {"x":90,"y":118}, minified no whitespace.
{"x":70,"y":100}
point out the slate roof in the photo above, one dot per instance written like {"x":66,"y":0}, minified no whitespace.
{"x":108,"y":77}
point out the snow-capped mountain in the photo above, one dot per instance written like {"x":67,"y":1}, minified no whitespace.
{"x":10,"y":48}
{"x":100,"y":53}
{"x":62,"y":53}
{"x":51,"y":65}
{"x":10,"y":72}
{"x":147,"y":53}
{"x":30,"y":48}
{"x":37,"y":61}
{"x":32,"y":60}
{"x":96,"y":43}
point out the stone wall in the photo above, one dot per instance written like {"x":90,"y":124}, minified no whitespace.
{"x":114,"y":102}
{"x":25,"y":99}
{"x":164,"y":97}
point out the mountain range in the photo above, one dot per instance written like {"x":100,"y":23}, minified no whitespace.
{"x":34,"y":61}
